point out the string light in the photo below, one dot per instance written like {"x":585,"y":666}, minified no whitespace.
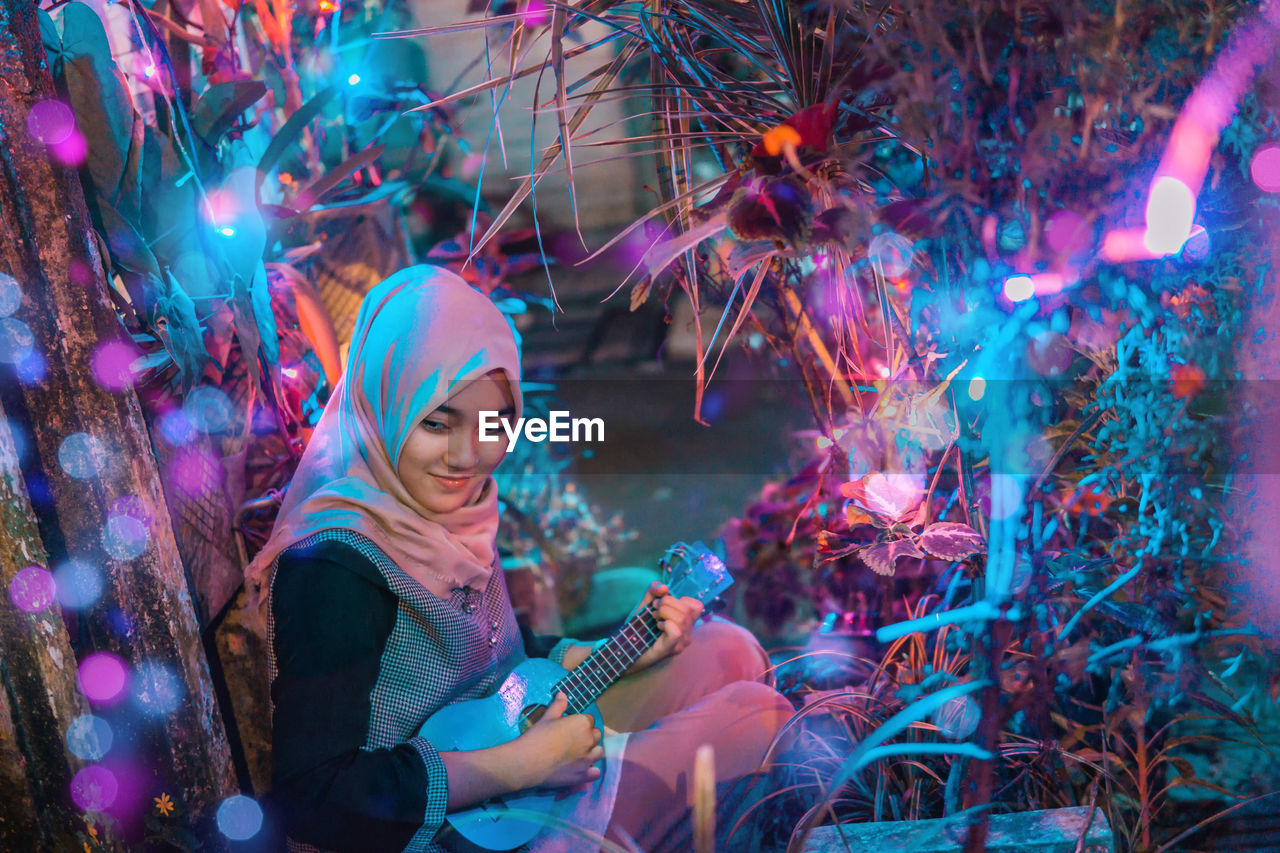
{"x":1019,"y":288}
{"x":1171,"y":210}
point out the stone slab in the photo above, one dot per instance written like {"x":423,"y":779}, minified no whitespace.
{"x":1048,"y":831}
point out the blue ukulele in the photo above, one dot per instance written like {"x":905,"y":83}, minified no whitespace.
{"x":694,"y":572}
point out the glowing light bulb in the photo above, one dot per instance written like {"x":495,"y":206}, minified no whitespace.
{"x":1171,"y":210}
{"x":977,"y":387}
{"x":227,"y":231}
{"x":149,"y":71}
{"x":1019,"y":288}
{"x":353,"y":80}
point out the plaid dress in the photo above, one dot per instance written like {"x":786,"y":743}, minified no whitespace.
{"x":433,"y":652}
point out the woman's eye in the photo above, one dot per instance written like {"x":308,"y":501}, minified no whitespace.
{"x":435,"y":426}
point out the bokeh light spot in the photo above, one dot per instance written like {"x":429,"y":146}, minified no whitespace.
{"x":1067,"y":233}
{"x":1006,"y":496}
{"x":957,"y":718}
{"x":156,"y":690}
{"x":893,"y":252}
{"x":71,"y":151}
{"x":94,"y":788}
{"x":239,"y":817}
{"x":208,"y":409}
{"x":32,"y":589}
{"x":1049,"y":353}
{"x":1264,"y":167}
{"x":977,"y":387}
{"x":1019,"y":288}
{"x":10,"y":294}
{"x":195,"y":472}
{"x":131,"y":505}
{"x":79,"y":584}
{"x":51,"y":122}
{"x":16,"y":340}
{"x":124,"y":536}
{"x":82,"y":456}
{"x":102,"y":677}
{"x":1171,"y":211}
{"x":80,"y":273}
{"x":111,"y":365}
{"x":31,"y":368}
{"x":177,"y":428}
{"x":89,"y":737}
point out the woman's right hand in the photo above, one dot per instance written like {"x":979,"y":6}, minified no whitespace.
{"x":561,"y":750}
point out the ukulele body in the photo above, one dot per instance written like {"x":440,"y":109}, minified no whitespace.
{"x":491,"y":721}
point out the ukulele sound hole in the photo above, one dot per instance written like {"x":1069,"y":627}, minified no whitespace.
{"x":530,"y":715}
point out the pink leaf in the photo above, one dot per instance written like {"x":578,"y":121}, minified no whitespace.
{"x":883,"y":557}
{"x":950,"y":541}
{"x":891,"y":495}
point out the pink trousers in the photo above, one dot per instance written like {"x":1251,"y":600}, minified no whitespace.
{"x":716,"y":691}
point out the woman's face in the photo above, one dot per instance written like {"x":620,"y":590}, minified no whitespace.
{"x":443,"y":464}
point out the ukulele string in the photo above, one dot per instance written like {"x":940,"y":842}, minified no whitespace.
{"x":652,"y":633}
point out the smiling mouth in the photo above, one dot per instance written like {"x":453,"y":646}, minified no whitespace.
{"x":452,"y":482}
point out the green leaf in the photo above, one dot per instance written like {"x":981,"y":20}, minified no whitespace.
{"x":98,"y":95}
{"x":291,"y":130}
{"x":129,"y":196}
{"x":220,"y":106}
{"x":182,"y":334}
{"x":260,"y":299}
{"x":52,"y":41}
{"x":128,"y":249}
{"x":247,"y":333}
{"x":322,"y":186}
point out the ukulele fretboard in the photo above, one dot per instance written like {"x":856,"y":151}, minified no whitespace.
{"x":609,"y":661}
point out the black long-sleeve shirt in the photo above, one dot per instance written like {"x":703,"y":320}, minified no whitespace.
{"x":355,"y":642}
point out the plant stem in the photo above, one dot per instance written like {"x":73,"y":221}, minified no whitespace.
{"x":981,"y":772}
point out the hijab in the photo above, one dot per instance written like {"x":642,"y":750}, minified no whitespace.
{"x":420,"y":335}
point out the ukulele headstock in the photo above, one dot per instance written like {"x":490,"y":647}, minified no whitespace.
{"x":694,"y":571}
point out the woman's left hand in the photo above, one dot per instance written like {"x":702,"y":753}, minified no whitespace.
{"x":676,"y":618}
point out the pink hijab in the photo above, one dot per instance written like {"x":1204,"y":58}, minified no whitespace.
{"x":420,"y":335}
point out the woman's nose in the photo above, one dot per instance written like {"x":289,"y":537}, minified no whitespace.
{"x":463,"y":450}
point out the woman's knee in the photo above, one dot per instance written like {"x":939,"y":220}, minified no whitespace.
{"x":732,"y":650}
{"x":755,"y":715}
{"x":762,"y":699}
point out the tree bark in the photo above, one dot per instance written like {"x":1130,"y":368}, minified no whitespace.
{"x":145,"y":613}
{"x":38,"y":678}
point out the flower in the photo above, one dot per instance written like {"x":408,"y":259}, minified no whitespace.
{"x":164,"y":805}
{"x":776,"y":139}
{"x":1188,"y":380}
{"x":807,"y":128}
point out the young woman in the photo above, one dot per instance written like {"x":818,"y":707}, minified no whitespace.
{"x":386,"y":602}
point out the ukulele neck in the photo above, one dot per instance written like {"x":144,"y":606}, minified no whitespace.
{"x":609,"y":661}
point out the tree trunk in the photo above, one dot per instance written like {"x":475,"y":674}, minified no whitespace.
{"x":145,"y":613}
{"x":38,"y":674}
